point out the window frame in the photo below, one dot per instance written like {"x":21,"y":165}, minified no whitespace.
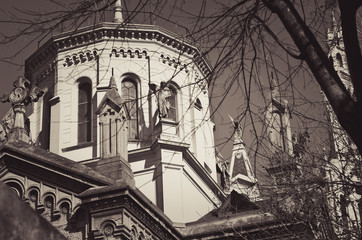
{"x":86,"y":85}
{"x":174,"y":107}
{"x":133,"y":80}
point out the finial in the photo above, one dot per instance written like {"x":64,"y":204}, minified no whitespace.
{"x":273,"y":83}
{"x":118,"y":18}
{"x":274,"y":87}
{"x":112,"y":82}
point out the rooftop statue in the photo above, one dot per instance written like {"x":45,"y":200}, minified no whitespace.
{"x":238,"y":130}
{"x":162,"y":94}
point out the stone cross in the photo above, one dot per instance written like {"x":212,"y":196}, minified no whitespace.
{"x":20,"y":97}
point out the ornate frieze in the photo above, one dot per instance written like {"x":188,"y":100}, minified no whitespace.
{"x":107,"y":32}
{"x":133,"y":209}
{"x":80,"y":57}
{"x":45,"y":73}
{"x":43,"y":55}
{"x":128,"y":53}
{"x":176,"y":63}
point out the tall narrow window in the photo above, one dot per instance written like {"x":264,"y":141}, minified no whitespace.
{"x":46,"y":130}
{"x":129,"y":95}
{"x":84,"y":112}
{"x":172,"y":99}
{"x":339,"y":59}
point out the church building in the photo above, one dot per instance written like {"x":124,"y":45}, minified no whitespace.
{"x":110,"y":137}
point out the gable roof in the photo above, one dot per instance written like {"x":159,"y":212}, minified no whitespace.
{"x":113,"y":99}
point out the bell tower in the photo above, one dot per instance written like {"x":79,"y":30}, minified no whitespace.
{"x":278,"y":122}
{"x":336,"y":53}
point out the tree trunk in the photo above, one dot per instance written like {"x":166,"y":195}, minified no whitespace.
{"x":348,"y":111}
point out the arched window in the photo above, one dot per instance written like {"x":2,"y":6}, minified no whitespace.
{"x":16,"y":188}
{"x":172,"y":99}
{"x":133,"y":234}
{"x":339,"y":59}
{"x":129,"y":95}
{"x":84,"y":112}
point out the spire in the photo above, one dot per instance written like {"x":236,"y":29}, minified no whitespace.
{"x":118,"y":18}
{"x":242,"y":178}
{"x":334,"y":23}
{"x":112,"y":82}
{"x":274,"y":87}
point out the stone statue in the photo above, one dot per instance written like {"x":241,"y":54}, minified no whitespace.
{"x":162,"y":94}
{"x":238,"y":130}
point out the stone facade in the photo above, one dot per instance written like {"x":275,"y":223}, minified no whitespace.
{"x":344,"y":202}
{"x":121,"y":143}
{"x":139,"y":56}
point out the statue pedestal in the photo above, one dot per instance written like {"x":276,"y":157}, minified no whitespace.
{"x":116,"y":168}
{"x":19,"y":132}
{"x":166,"y":129}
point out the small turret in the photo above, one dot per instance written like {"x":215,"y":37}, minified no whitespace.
{"x":242,"y":178}
{"x":113,"y":116}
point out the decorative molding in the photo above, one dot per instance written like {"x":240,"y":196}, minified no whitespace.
{"x":41,"y":57}
{"x":158,"y":228}
{"x":2,"y":164}
{"x":39,"y":199}
{"x":202,"y":85}
{"x":129,"y":53}
{"x":80,"y":57}
{"x":109,"y":31}
{"x":53,"y":101}
{"x":174,"y":62}
{"x":202,"y":82}
{"x":79,"y":146}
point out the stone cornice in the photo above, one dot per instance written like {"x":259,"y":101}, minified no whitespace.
{"x":131,"y":200}
{"x":30,"y":157}
{"x":116,"y":32}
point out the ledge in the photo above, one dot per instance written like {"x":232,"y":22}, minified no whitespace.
{"x":168,"y":121}
{"x":78,"y":146}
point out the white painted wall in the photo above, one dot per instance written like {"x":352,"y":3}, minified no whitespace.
{"x":178,"y":190}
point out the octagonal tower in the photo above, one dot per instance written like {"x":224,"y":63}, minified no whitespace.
{"x":172,"y":155}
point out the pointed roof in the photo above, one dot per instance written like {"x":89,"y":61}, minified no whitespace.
{"x":112,"y":82}
{"x":112,"y":98}
{"x":239,"y":167}
{"x":274,"y":87}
